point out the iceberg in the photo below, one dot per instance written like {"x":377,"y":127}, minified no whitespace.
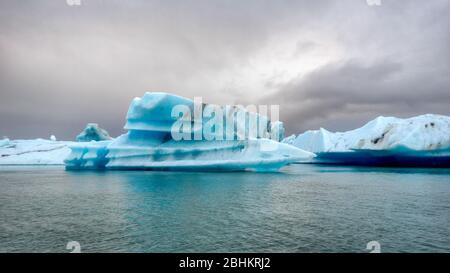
{"x":93,"y":132}
{"x":46,"y":152}
{"x":5,"y":142}
{"x":160,"y":137}
{"x":87,"y":155}
{"x":421,"y":141}
{"x":290,"y":139}
{"x":34,"y":152}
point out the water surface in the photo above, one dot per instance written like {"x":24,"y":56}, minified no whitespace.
{"x":305,"y":208}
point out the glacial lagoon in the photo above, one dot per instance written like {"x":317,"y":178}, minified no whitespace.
{"x":303,"y":208}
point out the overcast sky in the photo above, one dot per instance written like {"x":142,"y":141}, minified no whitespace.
{"x":331,"y":64}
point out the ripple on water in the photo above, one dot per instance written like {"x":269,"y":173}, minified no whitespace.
{"x":305,"y":208}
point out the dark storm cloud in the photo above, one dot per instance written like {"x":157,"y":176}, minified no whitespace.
{"x":328,"y":63}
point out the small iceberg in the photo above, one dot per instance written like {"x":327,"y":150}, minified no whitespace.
{"x":93,"y":132}
{"x":422,"y":141}
{"x":5,"y":143}
{"x":163,"y":135}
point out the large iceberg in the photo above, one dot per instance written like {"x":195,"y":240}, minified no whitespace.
{"x":158,"y":139}
{"x":386,"y":141}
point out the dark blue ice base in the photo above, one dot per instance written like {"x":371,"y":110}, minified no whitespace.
{"x":404,"y":158}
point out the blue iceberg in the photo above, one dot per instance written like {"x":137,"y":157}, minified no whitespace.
{"x":93,"y":132}
{"x":5,"y":142}
{"x":422,"y":141}
{"x":163,"y":135}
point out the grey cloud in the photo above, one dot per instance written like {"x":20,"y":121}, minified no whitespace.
{"x":345,"y":95}
{"x":396,"y":63}
{"x":62,"y":67}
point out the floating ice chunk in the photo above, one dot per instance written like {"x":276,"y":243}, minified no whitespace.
{"x":205,"y":155}
{"x":150,"y":143}
{"x":34,"y":152}
{"x":318,"y":141}
{"x":5,"y":142}
{"x":244,"y":155}
{"x":93,"y":132}
{"x":52,"y":138}
{"x":426,"y":132}
{"x":383,"y":141}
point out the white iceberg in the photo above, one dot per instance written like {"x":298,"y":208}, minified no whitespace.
{"x":34,"y":152}
{"x":150,"y":142}
{"x":93,"y":132}
{"x":290,"y":139}
{"x":5,"y":142}
{"x":418,"y":141}
{"x":42,"y":151}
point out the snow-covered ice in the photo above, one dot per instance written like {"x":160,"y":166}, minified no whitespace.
{"x":425,"y":132}
{"x":418,"y":141}
{"x":149,"y":143}
{"x":40,"y":151}
{"x":34,"y":152}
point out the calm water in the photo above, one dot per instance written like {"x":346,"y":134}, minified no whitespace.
{"x":306,"y":208}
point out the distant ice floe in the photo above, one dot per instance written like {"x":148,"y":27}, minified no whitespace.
{"x":33,"y":152}
{"x":43,"y":151}
{"x":151,"y":143}
{"x":385,"y":141}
